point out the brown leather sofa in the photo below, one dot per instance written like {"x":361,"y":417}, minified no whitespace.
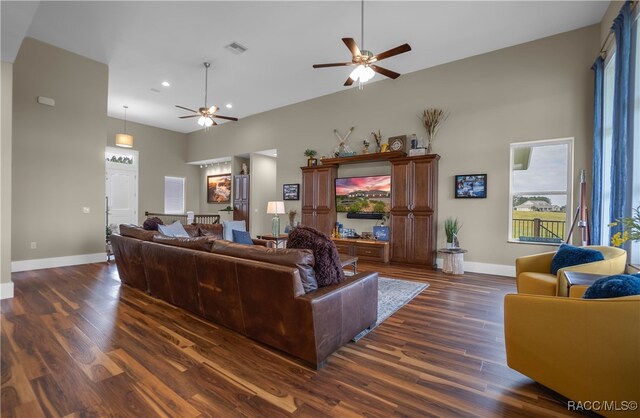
{"x":262,"y":300}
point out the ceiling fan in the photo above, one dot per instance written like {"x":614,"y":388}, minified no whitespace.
{"x":365,"y":59}
{"x":206,"y":114}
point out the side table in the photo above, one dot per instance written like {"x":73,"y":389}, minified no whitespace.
{"x":452,"y":260}
{"x":579,"y":282}
{"x":277,"y":238}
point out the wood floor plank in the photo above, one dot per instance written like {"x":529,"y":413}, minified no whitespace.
{"x":75,"y":342}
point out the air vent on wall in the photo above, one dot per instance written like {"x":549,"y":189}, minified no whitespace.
{"x":236,"y":48}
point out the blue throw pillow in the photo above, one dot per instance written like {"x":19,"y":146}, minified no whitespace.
{"x":242,"y":237}
{"x":613,"y":287}
{"x":568,"y":256}
{"x":174,"y":230}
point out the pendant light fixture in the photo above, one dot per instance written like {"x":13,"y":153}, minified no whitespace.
{"x":124,"y":140}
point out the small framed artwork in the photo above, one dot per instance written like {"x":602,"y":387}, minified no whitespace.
{"x":291,"y":191}
{"x":219,"y":188}
{"x":471,"y":186}
{"x":397,"y":143}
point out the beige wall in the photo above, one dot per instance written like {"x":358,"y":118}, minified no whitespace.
{"x":5,"y":172}
{"x":162,"y":153}
{"x":58,"y":153}
{"x":263,"y":171}
{"x":607,"y":20}
{"x":537,"y":90}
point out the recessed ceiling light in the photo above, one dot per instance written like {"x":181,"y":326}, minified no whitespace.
{"x":228,"y":105}
{"x":166,"y":83}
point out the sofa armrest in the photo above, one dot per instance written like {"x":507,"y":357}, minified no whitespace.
{"x":539,"y":263}
{"x":341,"y":311}
{"x":582,"y":349}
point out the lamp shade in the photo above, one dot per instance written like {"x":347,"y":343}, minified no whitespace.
{"x":275,"y":208}
{"x":124,"y":140}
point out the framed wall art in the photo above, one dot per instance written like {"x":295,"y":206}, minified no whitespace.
{"x":471,"y":186}
{"x":219,"y":188}
{"x":291,"y":191}
{"x":397,"y":143}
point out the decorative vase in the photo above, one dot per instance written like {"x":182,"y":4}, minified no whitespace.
{"x":450,"y":245}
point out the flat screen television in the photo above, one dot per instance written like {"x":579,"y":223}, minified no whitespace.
{"x":367,"y":197}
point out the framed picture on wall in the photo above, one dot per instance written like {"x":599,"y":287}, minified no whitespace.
{"x":219,"y":188}
{"x":471,"y":186}
{"x":291,"y":191}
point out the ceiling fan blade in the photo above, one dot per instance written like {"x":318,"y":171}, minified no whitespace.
{"x":190,"y":116}
{"x":225,"y":117}
{"x":186,"y":108}
{"x":394,"y":51}
{"x":338,"y":64}
{"x":348,"y":82}
{"x":353,"y":46}
{"x":384,"y":71}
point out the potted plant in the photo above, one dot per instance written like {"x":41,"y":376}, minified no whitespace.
{"x":310,"y":154}
{"x":630,"y":229}
{"x":432,"y":120}
{"x":451,"y":228}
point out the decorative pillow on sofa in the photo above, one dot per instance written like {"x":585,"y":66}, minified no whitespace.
{"x":173,"y":230}
{"x":229,"y":226}
{"x":242,"y":237}
{"x":613,"y":287}
{"x":328,"y":267}
{"x":568,"y":256}
{"x":151,"y":224}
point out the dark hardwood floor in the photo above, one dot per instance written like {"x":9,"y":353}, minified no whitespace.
{"x":75,"y":342}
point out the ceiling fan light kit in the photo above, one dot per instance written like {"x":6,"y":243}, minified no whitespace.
{"x":206,"y":114}
{"x":364,"y":59}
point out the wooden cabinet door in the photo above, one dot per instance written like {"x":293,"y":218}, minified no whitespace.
{"x":423,"y":185}
{"x":308,"y":190}
{"x":400,"y":186}
{"x":325,"y":222}
{"x":324,"y":185}
{"x":400,"y":238}
{"x":422,"y":237}
{"x":240,"y":191}
{"x":308,"y":218}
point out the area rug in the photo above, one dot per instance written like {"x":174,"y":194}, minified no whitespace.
{"x":393,"y":294}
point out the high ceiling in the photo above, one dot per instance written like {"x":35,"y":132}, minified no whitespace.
{"x":146,"y":43}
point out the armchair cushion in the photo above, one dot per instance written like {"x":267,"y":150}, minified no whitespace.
{"x":568,"y":255}
{"x":613,"y":287}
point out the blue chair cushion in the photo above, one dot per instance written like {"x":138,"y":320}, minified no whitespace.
{"x":568,"y":256}
{"x":242,"y":237}
{"x":613,"y":287}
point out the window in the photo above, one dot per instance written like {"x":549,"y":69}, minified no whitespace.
{"x":540,"y":190}
{"x":174,"y":195}
{"x":607,"y":144}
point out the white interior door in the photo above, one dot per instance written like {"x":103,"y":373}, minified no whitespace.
{"x":121,"y":186}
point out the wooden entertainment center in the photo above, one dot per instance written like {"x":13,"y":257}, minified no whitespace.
{"x":413,"y":215}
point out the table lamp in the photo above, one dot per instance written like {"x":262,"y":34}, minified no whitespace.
{"x":275,"y":208}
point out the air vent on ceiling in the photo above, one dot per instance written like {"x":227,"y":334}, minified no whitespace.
{"x":155,"y":90}
{"x":236,"y":48}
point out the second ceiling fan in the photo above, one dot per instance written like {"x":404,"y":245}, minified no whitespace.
{"x":206,"y":114}
{"x":365,"y":59}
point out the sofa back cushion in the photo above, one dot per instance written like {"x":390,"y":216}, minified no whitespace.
{"x":328,"y":267}
{"x":210,"y":230}
{"x":192,"y":230}
{"x":195,"y":243}
{"x":135,"y":231}
{"x":303,"y":260}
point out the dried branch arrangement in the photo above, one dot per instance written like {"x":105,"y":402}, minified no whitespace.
{"x":432,"y":120}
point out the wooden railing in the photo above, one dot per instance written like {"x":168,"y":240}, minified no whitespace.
{"x":538,"y":228}
{"x":170,"y":218}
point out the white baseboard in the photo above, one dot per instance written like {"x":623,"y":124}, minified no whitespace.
{"x":6,"y":290}
{"x":45,"y":263}
{"x":486,"y":268}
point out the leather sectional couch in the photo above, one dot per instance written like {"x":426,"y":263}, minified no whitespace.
{"x":227,"y":284}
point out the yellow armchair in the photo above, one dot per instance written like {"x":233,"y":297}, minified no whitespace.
{"x":533,"y":272}
{"x":586,"y":350}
